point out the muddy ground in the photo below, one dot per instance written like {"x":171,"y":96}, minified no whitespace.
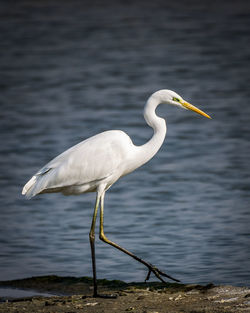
{"x":73,"y":295}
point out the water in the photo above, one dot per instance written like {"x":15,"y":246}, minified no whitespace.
{"x":10,"y":293}
{"x":69,"y":71}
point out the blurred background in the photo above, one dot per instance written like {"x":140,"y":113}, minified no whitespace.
{"x":71,"y":69}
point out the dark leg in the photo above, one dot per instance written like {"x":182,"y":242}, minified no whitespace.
{"x":92,"y":244}
{"x":151,"y":268}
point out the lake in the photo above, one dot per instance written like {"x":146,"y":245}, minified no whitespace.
{"x":70,"y":70}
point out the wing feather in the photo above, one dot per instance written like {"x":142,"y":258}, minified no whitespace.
{"x":90,"y":161}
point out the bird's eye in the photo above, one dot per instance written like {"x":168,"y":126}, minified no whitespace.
{"x":176,"y":99}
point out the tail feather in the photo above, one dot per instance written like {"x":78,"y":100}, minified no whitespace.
{"x":29,"y":188}
{"x":37,"y":183}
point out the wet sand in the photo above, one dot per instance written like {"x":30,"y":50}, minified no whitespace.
{"x":72,"y":294}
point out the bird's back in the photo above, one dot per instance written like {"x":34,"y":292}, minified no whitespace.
{"x":84,"y":166}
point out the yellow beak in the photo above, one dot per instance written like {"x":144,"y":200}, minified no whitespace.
{"x":193,"y":108}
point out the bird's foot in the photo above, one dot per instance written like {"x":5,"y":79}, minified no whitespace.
{"x":158,"y":273}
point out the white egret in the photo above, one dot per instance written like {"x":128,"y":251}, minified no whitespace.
{"x":96,"y":163}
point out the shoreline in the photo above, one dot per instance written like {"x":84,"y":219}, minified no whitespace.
{"x":72,"y":294}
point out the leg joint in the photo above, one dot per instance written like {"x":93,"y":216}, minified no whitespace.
{"x":91,"y":236}
{"x":103,"y":237}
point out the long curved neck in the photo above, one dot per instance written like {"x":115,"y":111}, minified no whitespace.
{"x":150,"y":148}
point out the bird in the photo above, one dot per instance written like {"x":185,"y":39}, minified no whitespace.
{"x":95,"y":164}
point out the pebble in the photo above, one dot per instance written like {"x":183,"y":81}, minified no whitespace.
{"x":178,"y":298}
{"x":227,"y":300}
{"x":91,"y":303}
{"x":141,"y":297}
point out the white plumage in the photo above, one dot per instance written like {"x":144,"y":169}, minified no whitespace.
{"x":98,"y":159}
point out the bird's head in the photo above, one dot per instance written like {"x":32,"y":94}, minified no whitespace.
{"x":171,"y":97}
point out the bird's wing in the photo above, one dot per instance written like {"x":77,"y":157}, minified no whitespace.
{"x":91,"y":160}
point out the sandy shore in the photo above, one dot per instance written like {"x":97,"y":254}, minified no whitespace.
{"x":73,"y":295}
